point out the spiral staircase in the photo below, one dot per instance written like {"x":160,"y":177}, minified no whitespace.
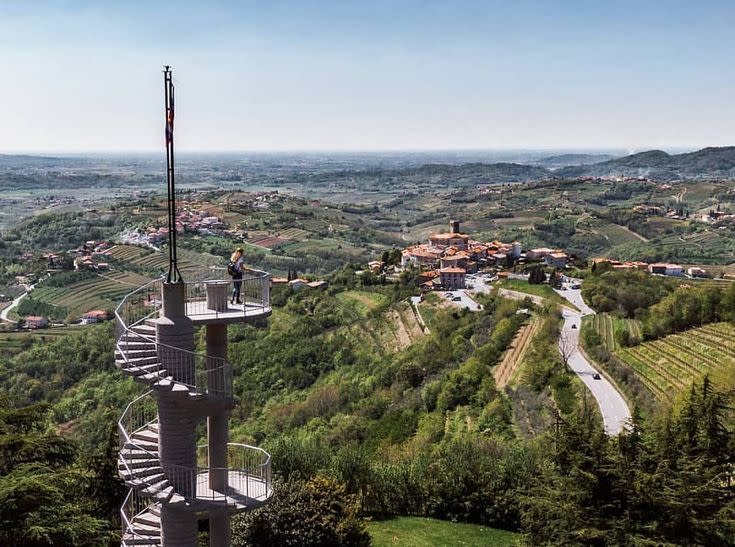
{"x":173,"y":481}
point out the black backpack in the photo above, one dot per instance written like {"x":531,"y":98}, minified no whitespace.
{"x":231,"y":268}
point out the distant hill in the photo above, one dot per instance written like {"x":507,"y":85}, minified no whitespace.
{"x":18,"y":161}
{"x":706,"y":163}
{"x":567,"y":160}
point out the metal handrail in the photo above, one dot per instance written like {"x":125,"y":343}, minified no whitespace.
{"x":252,"y":482}
{"x":130,"y":509}
{"x":207,"y":370}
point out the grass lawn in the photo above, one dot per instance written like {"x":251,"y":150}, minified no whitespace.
{"x":423,"y":532}
{"x":362,"y":301}
{"x":543,"y":291}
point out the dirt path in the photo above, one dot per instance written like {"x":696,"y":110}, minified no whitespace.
{"x":639,"y":236}
{"x":514,"y":355}
{"x":680,"y":197}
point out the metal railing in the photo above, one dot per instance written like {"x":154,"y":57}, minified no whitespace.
{"x":133,"y":506}
{"x":200,"y":373}
{"x":213,"y":293}
{"x":245,"y":478}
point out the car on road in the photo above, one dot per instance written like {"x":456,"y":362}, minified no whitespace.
{"x":595,"y":376}
{"x":574,"y":326}
{"x":457,"y":299}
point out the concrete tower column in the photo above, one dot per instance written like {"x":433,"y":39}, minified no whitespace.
{"x":177,"y":422}
{"x":218,"y":434}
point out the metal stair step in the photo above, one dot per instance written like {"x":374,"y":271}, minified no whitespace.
{"x":166,"y":383}
{"x":150,"y":480}
{"x":129,"y":539}
{"x":141,"y":369}
{"x":146,"y":445}
{"x":138,"y":345}
{"x":146,"y":529}
{"x":163,"y":496}
{"x":146,"y":435}
{"x":124,"y":463}
{"x":152,"y":376}
{"x":153,"y":489}
{"x":144,"y":329}
{"x":140,"y":472}
{"x":148,"y":518}
{"x":134,"y":353}
{"x":137,"y":361}
{"x":133,"y":453}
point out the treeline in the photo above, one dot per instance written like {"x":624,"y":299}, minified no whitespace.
{"x":662,"y":307}
{"x":689,"y":307}
{"x":628,"y":293}
{"x":666,"y":482}
{"x":50,"y":492}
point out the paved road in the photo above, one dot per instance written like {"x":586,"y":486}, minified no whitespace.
{"x":614,"y":409}
{"x":13,"y":304}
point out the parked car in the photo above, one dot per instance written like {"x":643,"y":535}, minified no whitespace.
{"x":457,"y":299}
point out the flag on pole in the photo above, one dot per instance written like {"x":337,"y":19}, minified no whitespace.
{"x":170,"y":118}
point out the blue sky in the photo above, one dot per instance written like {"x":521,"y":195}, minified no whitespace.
{"x":377,"y":75}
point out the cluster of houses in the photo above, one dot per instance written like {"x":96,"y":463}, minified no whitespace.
{"x":34,"y":322}
{"x":91,"y":255}
{"x":448,"y":257}
{"x":298,"y":283}
{"x":657,"y":268}
{"x":191,"y":218}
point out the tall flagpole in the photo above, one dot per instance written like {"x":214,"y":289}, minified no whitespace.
{"x":173,"y":276}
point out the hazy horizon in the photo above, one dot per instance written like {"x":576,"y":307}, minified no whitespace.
{"x":352,"y":76}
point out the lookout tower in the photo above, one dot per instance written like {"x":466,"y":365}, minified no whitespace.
{"x":177,"y":475}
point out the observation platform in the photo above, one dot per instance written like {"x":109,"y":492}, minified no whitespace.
{"x":201,"y":314}
{"x":244,"y":491}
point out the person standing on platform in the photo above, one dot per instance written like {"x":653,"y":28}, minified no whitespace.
{"x":235,"y":268}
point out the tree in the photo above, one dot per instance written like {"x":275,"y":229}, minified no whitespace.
{"x":567,"y":347}
{"x":314,"y":513}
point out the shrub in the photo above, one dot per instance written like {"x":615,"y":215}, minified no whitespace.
{"x":317,"y":512}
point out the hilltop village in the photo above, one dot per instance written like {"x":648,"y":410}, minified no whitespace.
{"x":450,"y":257}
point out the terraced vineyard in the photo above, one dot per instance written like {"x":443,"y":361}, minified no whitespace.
{"x":507,"y":368}
{"x":670,"y":365}
{"x":101,"y":292}
{"x":606,"y":324}
{"x":151,"y":261}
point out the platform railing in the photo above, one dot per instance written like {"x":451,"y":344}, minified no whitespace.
{"x":211,"y":292}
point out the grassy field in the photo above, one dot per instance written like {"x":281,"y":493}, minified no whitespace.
{"x":670,"y":365}
{"x":544,"y":291}
{"x":606,"y":325}
{"x":362,"y":301}
{"x":423,"y":532}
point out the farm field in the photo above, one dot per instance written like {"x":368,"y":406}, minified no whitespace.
{"x":101,"y":292}
{"x":669,"y":366}
{"x":508,"y":367}
{"x":149,"y":260}
{"x":425,"y":532}
{"x":606,"y":324}
{"x":394,"y":330}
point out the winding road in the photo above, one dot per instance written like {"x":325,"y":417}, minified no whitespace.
{"x":13,"y":304}
{"x":614,"y":409}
